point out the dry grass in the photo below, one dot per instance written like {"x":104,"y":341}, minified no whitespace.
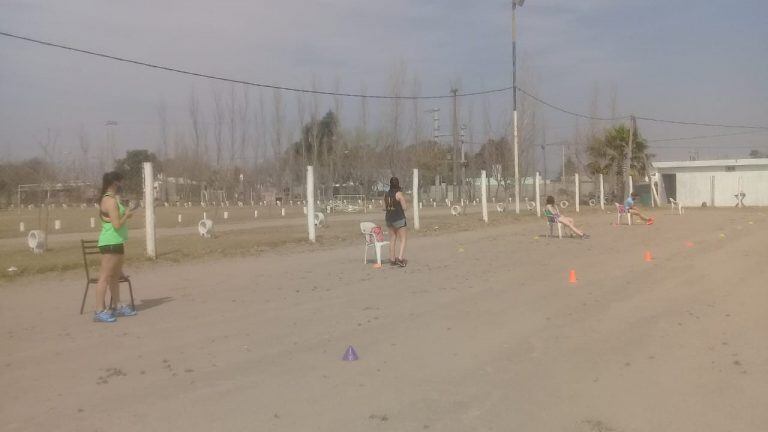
{"x":65,"y":255}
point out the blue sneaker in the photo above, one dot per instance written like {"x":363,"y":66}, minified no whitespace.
{"x":104,"y":316}
{"x":124,"y":311}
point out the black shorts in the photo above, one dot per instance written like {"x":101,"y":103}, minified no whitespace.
{"x":115,"y":249}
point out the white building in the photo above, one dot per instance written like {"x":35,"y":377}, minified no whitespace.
{"x":715,"y":182}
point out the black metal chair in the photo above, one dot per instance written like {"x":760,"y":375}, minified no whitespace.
{"x":91,"y":247}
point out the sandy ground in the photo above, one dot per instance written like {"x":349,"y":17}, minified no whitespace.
{"x":482,"y":332}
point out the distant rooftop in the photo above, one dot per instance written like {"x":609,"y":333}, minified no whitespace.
{"x":711,"y":163}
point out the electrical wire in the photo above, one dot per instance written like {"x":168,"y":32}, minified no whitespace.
{"x":704,"y":136}
{"x":573,"y":113}
{"x":624,"y":117}
{"x":359,"y":95}
{"x":248,"y":83}
{"x":702,"y":124}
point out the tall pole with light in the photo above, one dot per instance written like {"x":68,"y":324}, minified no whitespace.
{"x":515,"y":5}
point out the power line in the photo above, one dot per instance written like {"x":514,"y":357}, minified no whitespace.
{"x":704,"y":136}
{"x":237,"y":81}
{"x":589,"y":117}
{"x":555,"y":107}
{"x":359,"y":95}
{"x":702,"y":124}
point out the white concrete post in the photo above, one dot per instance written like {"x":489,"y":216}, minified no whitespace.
{"x":576,"y":180}
{"x":416,"y":204}
{"x":602,"y":194}
{"x":484,"y":195}
{"x":149,"y":209}
{"x":311,"y":202}
{"x":517,"y":164}
{"x":538,"y":196}
{"x":631,"y":188}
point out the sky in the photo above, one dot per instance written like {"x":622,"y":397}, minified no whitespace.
{"x":669,"y":59}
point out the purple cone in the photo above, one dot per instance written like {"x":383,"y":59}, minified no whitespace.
{"x":350,"y":354}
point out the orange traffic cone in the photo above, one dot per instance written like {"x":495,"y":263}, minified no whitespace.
{"x":572,"y":277}
{"x":648,"y":257}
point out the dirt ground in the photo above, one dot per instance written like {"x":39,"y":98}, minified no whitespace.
{"x":482,"y":332}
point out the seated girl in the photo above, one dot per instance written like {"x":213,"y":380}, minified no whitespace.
{"x":568,"y":222}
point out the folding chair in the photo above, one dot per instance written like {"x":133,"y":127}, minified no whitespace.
{"x":370,"y":241}
{"x":621,"y":210}
{"x":673,"y":203}
{"x":551,"y":222}
{"x":91,"y":247}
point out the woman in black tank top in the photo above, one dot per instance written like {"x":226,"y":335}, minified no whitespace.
{"x":395,"y":206}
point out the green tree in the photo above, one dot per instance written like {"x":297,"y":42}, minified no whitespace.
{"x":608,"y":154}
{"x":131,"y":168}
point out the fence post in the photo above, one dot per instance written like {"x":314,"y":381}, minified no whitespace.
{"x":149,"y":209}
{"x":311,"y":202}
{"x":484,"y":195}
{"x":576,"y":180}
{"x":602,"y":194}
{"x":416,"y":224}
{"x":538,"y":196}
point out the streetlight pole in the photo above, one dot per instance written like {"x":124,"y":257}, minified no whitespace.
{"x":455,"y":133}
{"x":544,"y":153}
{"x":515,"y":4}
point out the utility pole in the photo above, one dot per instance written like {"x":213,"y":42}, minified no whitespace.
{"x":463,"y":161}
{"x":435,"y":122}
{"x":455,"y":133}
{"x":627,"y":171}
{"x":544,"y":154}
{"x":562,"y":173}
{"x":515,"y":4}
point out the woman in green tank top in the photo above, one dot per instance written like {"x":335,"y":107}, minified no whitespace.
{"x":114,"y":233}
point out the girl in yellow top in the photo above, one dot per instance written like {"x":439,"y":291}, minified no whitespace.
{"x":114,"y":233}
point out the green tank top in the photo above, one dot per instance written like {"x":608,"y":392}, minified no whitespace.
{"x":109,"y":235}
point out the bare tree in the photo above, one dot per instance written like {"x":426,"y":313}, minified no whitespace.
{"x":84,"y":144}
{"x":278,"y":122}
{"x":232,"y":118}
{"x":396,"y":86}
{"x":199,"y":133}
{"x":218,"y":126}
{"x":244,"y":122}
{"x":162,"y":123}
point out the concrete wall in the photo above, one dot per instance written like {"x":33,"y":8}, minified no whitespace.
{"x":694,"y":185}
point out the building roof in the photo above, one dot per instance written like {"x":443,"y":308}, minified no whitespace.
{"x":711,"y":163}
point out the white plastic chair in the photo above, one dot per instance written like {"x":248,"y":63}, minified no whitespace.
{"x":370,"y":241}
{"x":620,"y":210}
{"x":674,"y":203}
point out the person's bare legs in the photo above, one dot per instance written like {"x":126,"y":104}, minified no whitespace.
{"x":114,"y":285}
{"x":569,"y":223}
{"x":106,"y":271}
{"x":402,"y":234}
{"x":392,"y":244}
{"x":635,"y":212}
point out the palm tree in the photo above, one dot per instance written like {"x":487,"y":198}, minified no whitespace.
{"x":608,"y":154}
